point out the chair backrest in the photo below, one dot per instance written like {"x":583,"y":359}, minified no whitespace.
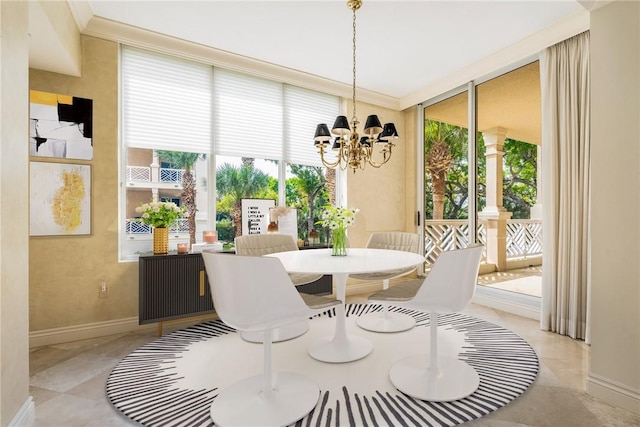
{"x":451,"y":283}
{"x":263,"y":244}
{"x":398,"y":241}
{"x":252,"y":293}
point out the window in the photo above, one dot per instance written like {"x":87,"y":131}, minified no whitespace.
{"x":180,"y":119}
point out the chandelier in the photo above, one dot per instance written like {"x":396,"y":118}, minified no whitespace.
{"x":352,"y":150}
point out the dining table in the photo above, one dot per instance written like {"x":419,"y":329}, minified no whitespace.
{"x":342,"y":346}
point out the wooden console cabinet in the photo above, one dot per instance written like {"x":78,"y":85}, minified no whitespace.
{"x":171,"y":287}
{"x":176,"y":286}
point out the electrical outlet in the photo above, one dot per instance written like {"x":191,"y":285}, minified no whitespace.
{"x":104,"y":290}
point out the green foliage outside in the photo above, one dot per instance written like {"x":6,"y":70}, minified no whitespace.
{"x":520,"y":177}
{"x":519,"y":173}
{"x":226,"y":230}
{"x":305,"y":191}
{"x":235,"y":183}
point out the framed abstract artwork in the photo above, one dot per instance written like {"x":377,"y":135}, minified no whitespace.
{"x":60,"y":126}
{"x":60,"y":199}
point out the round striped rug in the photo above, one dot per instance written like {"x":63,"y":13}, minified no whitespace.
{"x":173,"y":380}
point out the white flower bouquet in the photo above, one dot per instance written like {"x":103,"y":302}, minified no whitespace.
{"x":159,"y":214}
{"x":338,"y":220}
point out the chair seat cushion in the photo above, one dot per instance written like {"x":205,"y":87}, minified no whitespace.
{"x":401,"y":292}
{"x":319,"y":301}
{"x":303,"y":278}
{"x":381,"y":275}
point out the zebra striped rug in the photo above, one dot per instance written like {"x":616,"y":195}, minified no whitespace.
{"x":173,"y":380}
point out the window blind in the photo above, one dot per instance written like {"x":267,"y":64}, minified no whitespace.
{"x":166,"y":102}
{"x":248,"y":115}
{"x":303,"y":110}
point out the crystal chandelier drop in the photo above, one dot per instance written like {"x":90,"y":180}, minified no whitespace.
{"x":352,"y":150}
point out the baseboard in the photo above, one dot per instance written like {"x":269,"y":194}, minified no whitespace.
{"x":510,"y":302}
{"x":26,"y":416}
{"x":86,"y":331}
{"x":614,"y":393}
{"x":103,"y":329}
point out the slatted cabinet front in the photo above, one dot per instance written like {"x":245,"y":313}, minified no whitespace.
{"x":172,"y":287}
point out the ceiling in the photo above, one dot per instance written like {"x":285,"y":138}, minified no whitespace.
{"x":402,"y":46}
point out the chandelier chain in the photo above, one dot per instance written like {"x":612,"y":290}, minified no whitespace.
{"x":354,"y":65}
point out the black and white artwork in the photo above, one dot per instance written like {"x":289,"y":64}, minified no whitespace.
{"x":255,"y":215}
{"x":61,"y":126}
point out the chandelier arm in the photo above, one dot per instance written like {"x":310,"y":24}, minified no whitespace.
{"x":385,"y":158}
{"x":327,"y":164}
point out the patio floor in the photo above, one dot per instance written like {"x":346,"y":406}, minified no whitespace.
{"x":523,"y":280}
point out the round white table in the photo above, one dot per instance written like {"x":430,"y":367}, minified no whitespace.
{"x":342,"y":347}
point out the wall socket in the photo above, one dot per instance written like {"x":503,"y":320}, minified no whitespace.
{"x":104,"y":290}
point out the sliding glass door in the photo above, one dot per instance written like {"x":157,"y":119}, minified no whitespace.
{"x":481,"y":145}
{"x":446,"y":175}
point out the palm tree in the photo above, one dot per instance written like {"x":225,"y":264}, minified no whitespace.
{"x":445,"y":148}
{"x":311,"y":181}
{"x":186,"y":161}
{"x":330,"y":183}
{"x":239,"y":183}
{"x":438,"y":160}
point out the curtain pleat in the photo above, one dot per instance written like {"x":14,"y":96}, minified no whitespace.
{"x":564,"y":74}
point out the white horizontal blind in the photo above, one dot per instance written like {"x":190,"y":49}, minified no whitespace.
{"x":304,"y":110}
{"x":166,"y":102}
{"x":247,"y":115}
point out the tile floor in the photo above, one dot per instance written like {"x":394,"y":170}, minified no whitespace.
{"x":68,"y":381}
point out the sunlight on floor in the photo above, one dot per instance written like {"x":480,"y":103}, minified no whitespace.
{"x":524,"y":280}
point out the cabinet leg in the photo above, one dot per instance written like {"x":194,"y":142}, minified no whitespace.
{"x":159,"y":329}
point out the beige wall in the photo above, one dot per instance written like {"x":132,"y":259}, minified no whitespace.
{"x":379,"y":193}
{"x":14,"y":205}
{"x":65,"y":272}
{"x":139,"y":157}
{"x":614,"y":374}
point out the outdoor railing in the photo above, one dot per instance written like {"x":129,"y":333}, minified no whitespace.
{"x":524,"y":237}
{"x":143,"y":174}
{"x":134,"y":227}
{"x":138,"y":173}
{"x":171,"y":175}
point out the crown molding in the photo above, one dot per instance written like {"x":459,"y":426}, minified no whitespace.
{"x":162,"y":43}
{"x":81,"y":11}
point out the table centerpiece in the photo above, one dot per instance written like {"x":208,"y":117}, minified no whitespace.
{"x":338,"y":219}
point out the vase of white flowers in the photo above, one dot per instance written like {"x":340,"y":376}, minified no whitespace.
{"x":161,"y":216}
{"x":338,"y":220}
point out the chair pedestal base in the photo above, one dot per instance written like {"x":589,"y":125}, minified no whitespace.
{"x":282,"y":333}
{"x":453,"y":380}
{"x":386,"y":322}
{"x":244,"y":403}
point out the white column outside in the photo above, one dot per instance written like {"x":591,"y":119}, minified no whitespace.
{"x":494,"y":213}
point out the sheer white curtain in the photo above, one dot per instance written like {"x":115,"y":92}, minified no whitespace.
{"x":564,"y":73}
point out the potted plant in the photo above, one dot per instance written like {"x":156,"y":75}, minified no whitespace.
{"x":161,"y":216}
